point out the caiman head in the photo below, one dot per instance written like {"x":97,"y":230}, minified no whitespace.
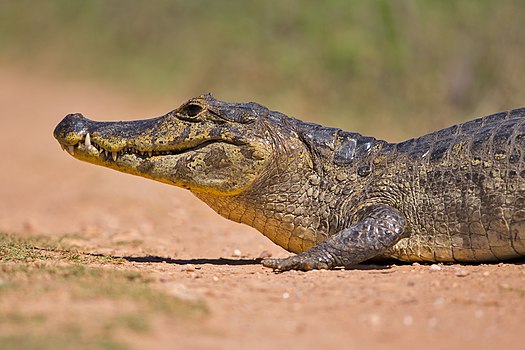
{"x":205,"y":145}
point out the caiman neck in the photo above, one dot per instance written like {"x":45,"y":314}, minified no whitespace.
{"x":276,"y":204}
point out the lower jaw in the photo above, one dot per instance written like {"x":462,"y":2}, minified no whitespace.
{"x":125,"y":163}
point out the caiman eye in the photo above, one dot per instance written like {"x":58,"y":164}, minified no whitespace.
{"x":192,"y":110}
{"x":189,"y":112}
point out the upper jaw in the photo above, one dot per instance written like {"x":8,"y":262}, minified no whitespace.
{"x":90,"y":147}
{"x":106,"y":141}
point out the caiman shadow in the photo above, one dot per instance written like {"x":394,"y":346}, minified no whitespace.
{"x":197,"y":261}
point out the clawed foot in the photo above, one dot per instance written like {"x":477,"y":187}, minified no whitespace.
{"x":295,"y":262}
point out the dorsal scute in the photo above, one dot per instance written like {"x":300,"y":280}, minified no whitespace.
{"x":333,"y":145}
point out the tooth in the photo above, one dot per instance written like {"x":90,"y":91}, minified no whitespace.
{"x":63,"y":147}
{"x":71,"y":150}
{"x":106,"y":152}
{"x":87,"y":141}
{"x":114,"y":155}
{"x":150,"y":153}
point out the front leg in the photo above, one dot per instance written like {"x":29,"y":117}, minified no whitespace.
{"x":379,"y":229}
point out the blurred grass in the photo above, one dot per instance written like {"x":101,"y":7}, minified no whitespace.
{"x":53,"y":297}
{"x":392,"y":68}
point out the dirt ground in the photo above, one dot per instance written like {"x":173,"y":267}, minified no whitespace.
{"x":202,"y":256}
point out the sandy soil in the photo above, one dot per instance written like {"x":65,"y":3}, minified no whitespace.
{"x":45,"y":191}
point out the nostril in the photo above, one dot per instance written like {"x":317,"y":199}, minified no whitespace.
{"x":72,"y":124}
{"x":74,"y":118}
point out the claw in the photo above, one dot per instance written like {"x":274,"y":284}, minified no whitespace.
{"x":287,"y":264}
{"x":295,"y":262}
{"x":271,"y":263}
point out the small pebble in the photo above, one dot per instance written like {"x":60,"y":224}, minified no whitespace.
{"x":30,"y":226}
{"x":462,"y":273}
{"x":375,"y":320}
{"x":188,"y":268}
{"x":416,"y":264}
{"x":486,"y":273}
{"x":432,"y":322}
{"x":162,"y":279}
{"x":265,"y":254}
{"x":435,"y":267}
{"x":286,"y":295}
{"x":181,"y":291}
{"x":504,"y":286}
{"x":215,"y":278}
{"x":439,"y":301}
{"x":237,"y":253}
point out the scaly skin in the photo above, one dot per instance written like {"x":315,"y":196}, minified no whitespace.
{"x":333,"y":197}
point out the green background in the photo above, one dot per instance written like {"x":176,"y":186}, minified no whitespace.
{"x":387,"y":68}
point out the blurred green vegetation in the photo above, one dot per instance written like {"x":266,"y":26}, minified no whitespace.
{"x":378,"y":66}
{"x":54,"y":297}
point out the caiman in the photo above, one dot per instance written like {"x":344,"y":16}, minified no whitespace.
{"x":335,"y":198}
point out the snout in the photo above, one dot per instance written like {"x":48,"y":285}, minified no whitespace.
{"x":71,"y":129}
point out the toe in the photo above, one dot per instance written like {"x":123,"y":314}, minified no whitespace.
{"x":271,"y":263}
{"x":280,"y":264}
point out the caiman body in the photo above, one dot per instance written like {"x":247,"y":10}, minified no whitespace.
{"x":334,"y":197}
